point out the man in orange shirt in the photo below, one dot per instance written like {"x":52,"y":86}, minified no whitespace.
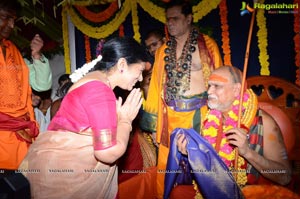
{"x":17,"y":124}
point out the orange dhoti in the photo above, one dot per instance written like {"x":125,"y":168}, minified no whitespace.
{"x":175,"y":120}
{"x":15,"y":101}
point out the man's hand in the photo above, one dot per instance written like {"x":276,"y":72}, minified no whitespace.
{"x":238,"y":137}
{"x":36,"y":45}
{"x":181,"y":144}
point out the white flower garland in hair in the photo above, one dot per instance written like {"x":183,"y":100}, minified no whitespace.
{"x":83,"y":70}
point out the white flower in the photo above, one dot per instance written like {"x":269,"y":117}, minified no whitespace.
{"x":83,"y":70}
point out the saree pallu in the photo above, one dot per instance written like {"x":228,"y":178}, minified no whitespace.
{"x":61,"y":164}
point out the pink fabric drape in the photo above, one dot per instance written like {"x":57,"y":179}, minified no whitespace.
{"x":92,"y":105}
{"x":61,"y":162}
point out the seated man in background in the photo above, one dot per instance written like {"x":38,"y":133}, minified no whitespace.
{"x":64,"y":83}
{"x":262,"y":157}
{"x":153,"y":40}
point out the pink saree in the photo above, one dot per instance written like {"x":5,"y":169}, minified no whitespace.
{"x":61,"y":162}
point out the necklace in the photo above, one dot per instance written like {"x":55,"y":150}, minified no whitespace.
{"x":179,"y":70}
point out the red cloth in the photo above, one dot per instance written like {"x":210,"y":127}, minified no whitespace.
{"x":131,"y":161}
{"x":139,"y":186}
{"x":19,"y":124}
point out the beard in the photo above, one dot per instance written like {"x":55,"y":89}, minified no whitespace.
{"x":210,"y":102}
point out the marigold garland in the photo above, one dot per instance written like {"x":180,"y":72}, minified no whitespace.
{"x":200,"y":10}
{"x":225,"y":33}
{"x":84,"y":2}
{"x":203,"y":8}
{"x":98,"y":17}
{"x":135,"y":20}
{"x":211,"y":125}
{"x":297,"y":41}
{"x":102,"y":31}
{"x":155,"y":11}
{"x":121,"y":30}
{"x":262,"y":42}
{"x":66,"y":40}
{"x":88,"y":56}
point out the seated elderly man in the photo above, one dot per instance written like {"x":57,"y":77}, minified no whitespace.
{"x":215,"y":166}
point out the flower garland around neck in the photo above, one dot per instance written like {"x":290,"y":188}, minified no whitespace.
{"x":211,"y":126}
{"x":83,"y":70}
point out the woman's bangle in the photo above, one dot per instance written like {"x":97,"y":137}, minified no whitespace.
{"x":126,"y":122}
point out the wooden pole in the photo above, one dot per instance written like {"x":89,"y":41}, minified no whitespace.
{"x":243,"y":85}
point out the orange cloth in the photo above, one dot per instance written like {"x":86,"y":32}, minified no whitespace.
{"x":15,"y":100}
{"x":131,"y":161}
{"x":139,"y":186}
{"x":249,"y":191}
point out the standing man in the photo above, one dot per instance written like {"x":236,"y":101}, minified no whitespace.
{"x":178,"y":84}
{"x":17,"y":124}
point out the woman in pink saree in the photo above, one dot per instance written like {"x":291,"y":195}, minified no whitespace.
{"x":76,"y":157}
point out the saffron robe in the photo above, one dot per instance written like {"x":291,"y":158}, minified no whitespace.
{"x":153,"y":118}
{"x":15,"y":99}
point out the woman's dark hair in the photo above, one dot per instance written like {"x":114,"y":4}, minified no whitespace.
{"x":10,"y":5}
{"x":63,"y":90}
{"x":121,"y":47}
{"x":63,"y":78}
{"x":186,"y":7}
{"x":159,"y":34}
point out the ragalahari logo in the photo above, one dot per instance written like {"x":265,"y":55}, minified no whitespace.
{"x":245,"y":9}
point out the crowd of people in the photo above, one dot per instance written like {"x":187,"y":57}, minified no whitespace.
{"x":184,"y":107}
